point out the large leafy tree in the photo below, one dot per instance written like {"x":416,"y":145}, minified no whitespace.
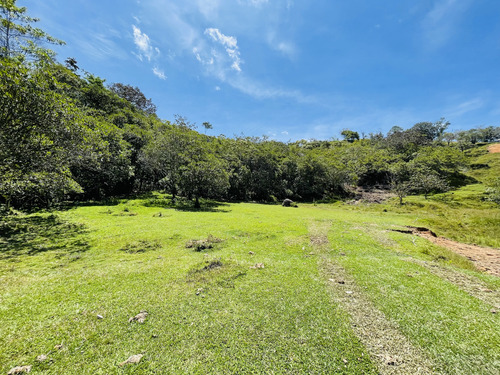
{"x":41,"y":133}
{"x":18,"y":36}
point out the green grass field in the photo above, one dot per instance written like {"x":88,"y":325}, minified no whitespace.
{"x":266,"y":299}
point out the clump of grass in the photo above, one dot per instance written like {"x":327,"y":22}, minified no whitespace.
{"x":203,"y":244}
{"x":141,"y":246}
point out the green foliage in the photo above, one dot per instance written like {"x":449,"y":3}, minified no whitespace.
{"x":135,"y":96}
{"x":18,"y":38}
{"x":350,"y":136}
{"x":493,"y":191}
{"x":42,"y":132}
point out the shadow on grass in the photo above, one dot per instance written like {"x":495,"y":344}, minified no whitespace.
{"x":31,"y":235}
{"x":187,"y":205}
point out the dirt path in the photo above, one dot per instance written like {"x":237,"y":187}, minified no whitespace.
{"x":494,"y":148}
{"x":388,"y":347}
{"x":486,"y":259}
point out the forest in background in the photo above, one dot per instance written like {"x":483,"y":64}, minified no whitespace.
{"x":67,"y":135}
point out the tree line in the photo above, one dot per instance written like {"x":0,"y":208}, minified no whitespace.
{"x":66,"y":135}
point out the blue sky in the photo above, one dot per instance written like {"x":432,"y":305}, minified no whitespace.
{"x":292,"y":69}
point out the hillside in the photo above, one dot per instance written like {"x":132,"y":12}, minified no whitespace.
{"x":313,"y":289}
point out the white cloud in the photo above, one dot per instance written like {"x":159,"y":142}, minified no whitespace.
{"x":217,"y":88}
{"x":143,"y":44}
{"x":230,"y":44}
{"x":146,"y":50}
{"x":159,"y":73}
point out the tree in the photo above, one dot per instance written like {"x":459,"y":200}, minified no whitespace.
{"x":428,"y":182}
{"x":400,"y":180}
{"x":72,"y":64}
{"x":17,"y":35}
{"x":395,"y":129}
{"x":135,"y":96}
{"x":205,"y":176}
{"x":449,"y":137}
{"x":42,"y":132}
{"x":431,"y":131}
{"x":207,"y":126}
{"x":350,"y":136}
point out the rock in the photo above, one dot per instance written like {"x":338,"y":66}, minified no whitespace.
{"x":289,"y":203}
{"x":132,"y":360}
{"x":19,"y":370}
{"x":140,"y":318}
{"x":42,"y":358}
{"x":257,"y":266}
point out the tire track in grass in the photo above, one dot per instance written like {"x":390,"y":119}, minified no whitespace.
{"x":473,"y":286}
{"x":468,"y":283}
{"x":389,"y":348}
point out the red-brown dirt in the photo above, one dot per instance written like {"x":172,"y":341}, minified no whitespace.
{"x":494,"y":148}
{"x":486,"y":259}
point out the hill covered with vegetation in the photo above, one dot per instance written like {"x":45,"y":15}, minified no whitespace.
{"x":66,"y":135}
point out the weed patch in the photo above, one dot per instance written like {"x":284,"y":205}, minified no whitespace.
{"x":203,"y":244}
{"x":141,"y":246}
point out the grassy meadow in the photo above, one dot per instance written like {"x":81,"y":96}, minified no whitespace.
{"x":269,"y":291}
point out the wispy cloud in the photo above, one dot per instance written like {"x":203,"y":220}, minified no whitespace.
{"x":463,"y":108}
{"x":159,"y":73}
{"x":100,"y":46}
{"x":255,"y":3}
{"x":229,"y":43}
{"x":439,"y":24}
{"x":287,"y":48}
{"x":209,"y":8}
{"x":261,"y":91}
{"x":147,"y":51}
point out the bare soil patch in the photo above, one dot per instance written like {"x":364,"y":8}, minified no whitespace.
{"x":372,"y":195}
{"x":494,"y":148}
{"x":486,"y":259}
